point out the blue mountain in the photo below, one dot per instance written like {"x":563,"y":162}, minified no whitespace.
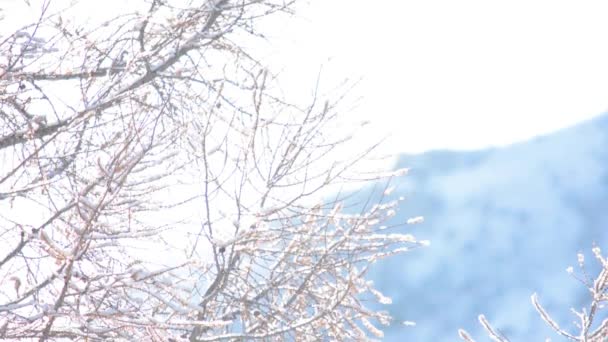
{"x":503,"y":223}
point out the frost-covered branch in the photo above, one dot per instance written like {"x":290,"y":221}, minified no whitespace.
{"x":155,"y":185}
{"x":598,"y":290}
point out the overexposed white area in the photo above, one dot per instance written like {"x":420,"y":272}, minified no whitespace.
{"x":441,"y":74}
{"x":455,"y":74}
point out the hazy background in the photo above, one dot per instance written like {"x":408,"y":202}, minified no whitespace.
{"x":503,"y":223}
{"x":498,"y":109}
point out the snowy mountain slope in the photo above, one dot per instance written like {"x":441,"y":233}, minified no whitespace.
{"x":503,"y":223}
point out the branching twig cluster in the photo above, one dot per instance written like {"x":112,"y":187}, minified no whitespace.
{"x":155,"y":186}
{"x":588,"y":329}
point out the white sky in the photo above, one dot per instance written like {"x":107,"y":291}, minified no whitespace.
{"x":450,"y":74}
{"x":456,"y":74}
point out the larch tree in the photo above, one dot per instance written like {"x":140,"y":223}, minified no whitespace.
{"x":156,"y":185}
